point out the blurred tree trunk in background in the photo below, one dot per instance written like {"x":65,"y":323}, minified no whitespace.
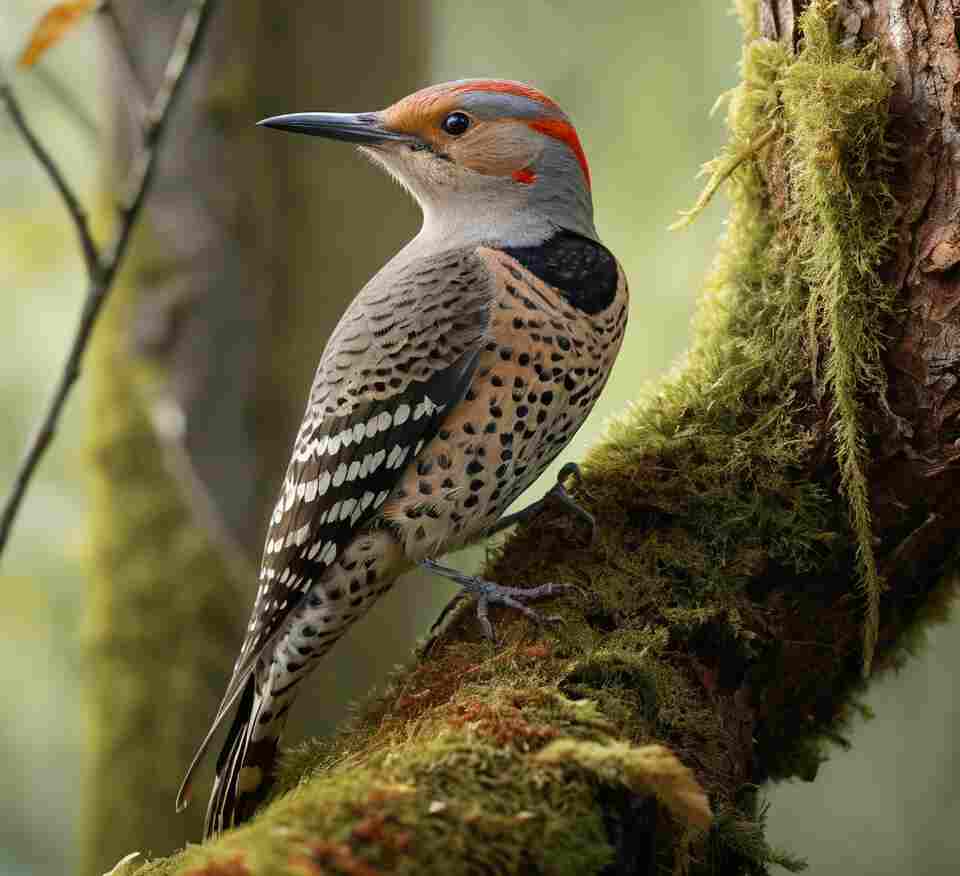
{"x":201,"y":368}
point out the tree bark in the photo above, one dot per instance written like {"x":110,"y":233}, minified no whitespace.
{"x":200,"y":371}
{"x":801,"y":471}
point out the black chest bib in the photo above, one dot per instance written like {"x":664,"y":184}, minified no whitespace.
{"x":583,"y":270}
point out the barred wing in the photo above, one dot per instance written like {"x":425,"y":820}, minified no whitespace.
{"x":400,"y":359}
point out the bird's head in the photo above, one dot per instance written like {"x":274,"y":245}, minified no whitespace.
{"x":488,"y":160}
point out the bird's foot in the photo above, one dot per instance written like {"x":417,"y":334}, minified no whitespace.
{"x":488,"y":593}
{"x":557,"y":492}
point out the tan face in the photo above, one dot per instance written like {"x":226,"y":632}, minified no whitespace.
{"x":502,"y":147}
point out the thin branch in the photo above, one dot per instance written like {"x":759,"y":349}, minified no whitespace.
{"x":121,"y":44}
{"x":183,"y":52}
{"x":91,"y":254}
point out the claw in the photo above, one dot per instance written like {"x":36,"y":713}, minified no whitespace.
{"x":488,"y":593}
{"x":558,"y":492}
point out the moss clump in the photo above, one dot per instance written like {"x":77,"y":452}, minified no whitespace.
{"x":835,"y":108}
{"x":795,"y":310}
{"x":736,"y":838}
{"x":495,"y":780}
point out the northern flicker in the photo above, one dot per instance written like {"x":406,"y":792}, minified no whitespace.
{"x":453,"y":379}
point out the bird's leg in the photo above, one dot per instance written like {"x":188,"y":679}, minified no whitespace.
{"x":488,"y":593}
{"x":557,"y":491}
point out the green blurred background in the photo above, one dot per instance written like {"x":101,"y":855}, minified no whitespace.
{"x":639,"y":78}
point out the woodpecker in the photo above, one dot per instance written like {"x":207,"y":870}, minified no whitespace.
{"x":452,"y":380}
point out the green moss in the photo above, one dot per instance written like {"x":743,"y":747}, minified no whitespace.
{"x":737,"y":839}
{"x":790,"y":305}
{"x":457,"y":798}
{"x":835,"y":108}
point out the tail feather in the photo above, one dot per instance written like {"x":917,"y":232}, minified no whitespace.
{"x":245,"y":767}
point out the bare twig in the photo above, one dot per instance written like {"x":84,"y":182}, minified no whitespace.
{"x":79,"y":216}
{"x":103,"y":270}
{"x":121,"y":45}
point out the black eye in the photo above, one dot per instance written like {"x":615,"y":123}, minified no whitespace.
{"x":455,"y":124}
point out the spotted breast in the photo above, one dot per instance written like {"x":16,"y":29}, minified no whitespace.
{"x":557,"y":325}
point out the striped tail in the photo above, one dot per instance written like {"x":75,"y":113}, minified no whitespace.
{"x":245,"y":767}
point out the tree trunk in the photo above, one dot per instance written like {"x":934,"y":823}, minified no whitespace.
{"x":200,"y":372}
{"x":781,"y":512}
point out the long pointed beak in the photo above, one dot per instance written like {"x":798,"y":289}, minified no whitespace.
{"x":364,"y":128}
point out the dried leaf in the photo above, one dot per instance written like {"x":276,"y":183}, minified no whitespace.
{"x":52,"y":27}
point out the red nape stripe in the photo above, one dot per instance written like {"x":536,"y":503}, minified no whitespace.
{"x":504,"y":86}
{"x":525,"y":176}
{"x":564,"y":132}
